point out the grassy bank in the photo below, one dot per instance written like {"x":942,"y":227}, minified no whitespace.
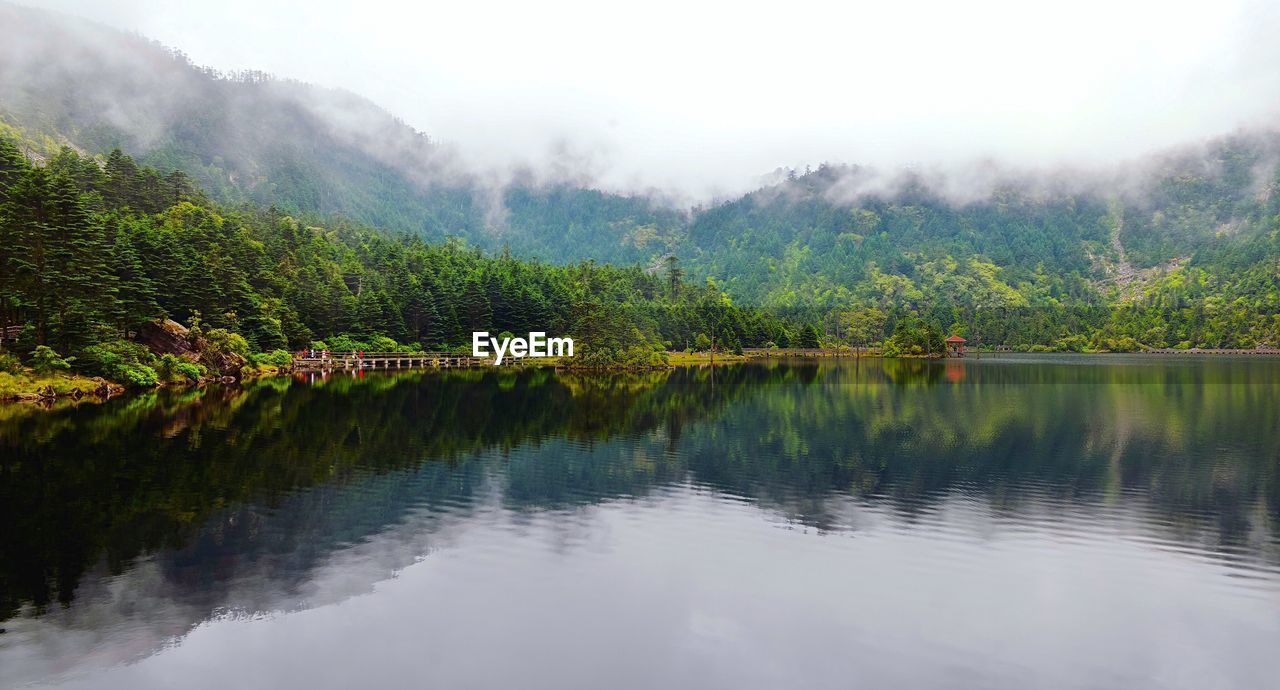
{"x":29,"y":385}
{"x":686,"y":358}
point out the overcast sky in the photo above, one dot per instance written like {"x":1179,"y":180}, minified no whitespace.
{"x":708,"y":96}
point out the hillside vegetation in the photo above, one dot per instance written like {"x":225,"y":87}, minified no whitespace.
{"x":90,"y":253}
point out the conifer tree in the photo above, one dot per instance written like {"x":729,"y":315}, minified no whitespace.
{"x":137,"y":292}
{"x":123,"y":180}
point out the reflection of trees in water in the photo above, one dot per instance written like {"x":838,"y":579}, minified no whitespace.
{"x":141,"y":474}
{"x":274,"y":479}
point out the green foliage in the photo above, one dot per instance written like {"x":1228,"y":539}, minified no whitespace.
{"x":221,"y":340}
{"x":809,"y":336}
{"x":136,"y":376}
{"x":9,"y":363}
{"x":915,"y":337}
{"x":173,"y":368}
{"x":347,"y":342}
{"x":275,"y":358}
{"x":44,"y":360}
{"x":606,"y":336}
{"x":123,"y":362}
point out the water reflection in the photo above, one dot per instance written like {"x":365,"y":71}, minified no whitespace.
{"x":132,"y":524}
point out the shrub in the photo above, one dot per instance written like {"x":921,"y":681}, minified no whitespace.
{"x":123,"y":362}
{"x":223,"y":341}
{"x":167,"y":367}
{"x":45,"y":360}
{"x":137,"y":375}
{"x":275,"y":358}
{"x":172,"y":368}
{"x":346,"y":343}
{"x":100,"y":359}
{"x":190,"y":370}
{"x":1072,"y":343}
{"x":10,"y":364}
{"x":1123,"y":344}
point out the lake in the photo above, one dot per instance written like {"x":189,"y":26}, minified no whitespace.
{"x":1014,"y":521}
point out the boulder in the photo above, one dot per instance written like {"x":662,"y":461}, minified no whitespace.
{"x":224,"y":364}
{"x":167,"y":337}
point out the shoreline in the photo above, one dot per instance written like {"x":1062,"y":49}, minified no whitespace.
{"x":30,"y":388}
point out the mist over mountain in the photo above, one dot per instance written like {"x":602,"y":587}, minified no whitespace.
{"x":839,"y":234}
{"x":250,"y":137}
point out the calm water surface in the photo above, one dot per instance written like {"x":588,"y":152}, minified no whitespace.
{"x":1014,"y":522}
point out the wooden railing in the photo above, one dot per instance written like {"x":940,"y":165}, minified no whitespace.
{"x":809,"y":351}
{"x":390,"y":360}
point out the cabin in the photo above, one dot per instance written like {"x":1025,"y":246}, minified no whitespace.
{"x":955,"y":346}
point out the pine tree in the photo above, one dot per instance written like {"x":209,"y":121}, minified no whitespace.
{"x":123,"y":185}
{"x":84,"y":297}
{"x":84,"y":172}
{"x":13,"y":166}
{"x":137,"y":292}
{"x":809,"y":336}
{"x":178,"y":187}
{"x":675,"y":276}
{"x":474,"y":312}
{"x":29,"y":216}
{"x":421,"y":318}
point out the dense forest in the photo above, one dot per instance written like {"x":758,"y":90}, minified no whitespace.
{"x":90,"y":250}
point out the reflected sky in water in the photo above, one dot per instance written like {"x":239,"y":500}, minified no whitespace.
{"x":1012,"y":522}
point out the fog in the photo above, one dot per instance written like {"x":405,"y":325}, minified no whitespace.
{"x":704,"y":99}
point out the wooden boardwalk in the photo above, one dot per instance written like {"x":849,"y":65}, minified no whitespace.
{"x":395,"y":360}
{"x":809,"y":352}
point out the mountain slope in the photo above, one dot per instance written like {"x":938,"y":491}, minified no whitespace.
{"x":250,"y":137}
{"x":834,"y":236}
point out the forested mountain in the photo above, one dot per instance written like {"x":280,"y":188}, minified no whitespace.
{"x":1181,"y":249}
{"x":1175,"y":250}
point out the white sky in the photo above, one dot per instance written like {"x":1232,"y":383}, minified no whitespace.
{"x":707,"y":96}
